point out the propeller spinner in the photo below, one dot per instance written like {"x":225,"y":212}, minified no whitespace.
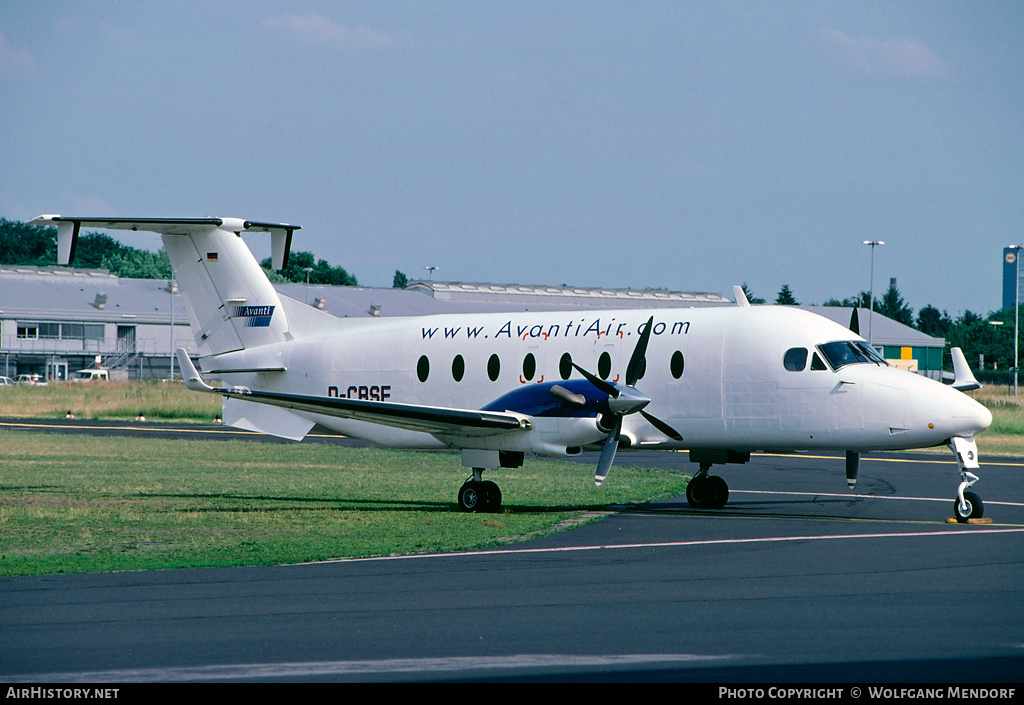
{"x":623,"y":401}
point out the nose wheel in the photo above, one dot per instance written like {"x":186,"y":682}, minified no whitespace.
{"x":969,"y":508}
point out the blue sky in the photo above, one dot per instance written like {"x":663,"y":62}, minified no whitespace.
{"x":684,"y":145}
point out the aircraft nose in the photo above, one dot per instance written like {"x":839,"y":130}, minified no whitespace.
{"x":970,"y":417}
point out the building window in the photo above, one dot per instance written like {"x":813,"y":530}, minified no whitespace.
{"x":61,"y":331}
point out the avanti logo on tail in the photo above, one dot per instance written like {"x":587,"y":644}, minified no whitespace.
{"x":254,"y":316}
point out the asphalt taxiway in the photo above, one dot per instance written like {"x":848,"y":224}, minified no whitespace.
{"x":797,"y":579}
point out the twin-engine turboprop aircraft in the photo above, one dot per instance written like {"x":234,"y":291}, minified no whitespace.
{"x":720,"y":382}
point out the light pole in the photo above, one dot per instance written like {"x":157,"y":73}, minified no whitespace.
{"x":172,"y":289}
{"x":430,"y":269}
{"x":871,"y":309}
{"x":307,"y":270}
{"x":1016,"y":310}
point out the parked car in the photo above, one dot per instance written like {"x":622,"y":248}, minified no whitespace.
{"x":6,"y":381}
{"x":90,"y":375}
{"x":32,"y":380}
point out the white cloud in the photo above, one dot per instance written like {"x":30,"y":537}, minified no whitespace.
{"x":321,"y":31}
{"x":895,"y":57}
{"x":15,"y":62}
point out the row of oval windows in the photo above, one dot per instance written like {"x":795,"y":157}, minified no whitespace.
{"x":604,"y":367}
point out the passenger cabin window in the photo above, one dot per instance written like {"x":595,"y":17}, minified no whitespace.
{"x":493,"y":367}
{"x":565,"y":366}
{"x":423,"y":368}
{"x":795,"y":359}
{"x":529,"y":366}
{"x":604,"y":365}
{"x":676,"y":364}
{"x":850,"y":352}
{"x":458,"y":368}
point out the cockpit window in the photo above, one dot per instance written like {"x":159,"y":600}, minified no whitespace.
{"x":795,"y":359}
{"x":850,"y":352}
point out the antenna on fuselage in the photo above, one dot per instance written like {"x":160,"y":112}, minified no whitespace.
{"x":963,"y":378}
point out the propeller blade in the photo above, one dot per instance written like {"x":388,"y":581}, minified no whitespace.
{"x":611,"y":444}
{"x":636,"y":360}
{"x":605,"y":387}
{"x":852,"y":468}
{"x":662,"y":426}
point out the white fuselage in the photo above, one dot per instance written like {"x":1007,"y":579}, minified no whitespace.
{"x":716,"y":375}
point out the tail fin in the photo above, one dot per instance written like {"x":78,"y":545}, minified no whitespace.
{"x":230,"y":302}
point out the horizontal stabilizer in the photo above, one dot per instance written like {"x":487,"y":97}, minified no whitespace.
{"x":68,"y":228}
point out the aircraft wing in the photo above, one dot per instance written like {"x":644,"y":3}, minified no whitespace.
{"x":413,"y":417}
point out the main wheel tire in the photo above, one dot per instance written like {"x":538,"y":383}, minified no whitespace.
{"x":975,"y":508}
{"x":719,"y":492}
{"x":492,"y":497}
{"x":698,"y":492}
{"x":472,"y":497}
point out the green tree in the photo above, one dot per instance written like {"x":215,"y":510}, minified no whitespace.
{"x":93,"y":248}
{"x":893,"y":306}
{"x":785,"y":297}
{"x":400,"y":281}
{"x":27,"y":244}
{"x":139,"y":264}
{"x":975,"y":335}
{"x":933,"y":322}
{"x":750,"y":295}
{"x":322,"y":271}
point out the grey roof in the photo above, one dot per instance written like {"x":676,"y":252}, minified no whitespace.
{"x":884,"y":331}
{"x":61,"y":293}
{"x":423,"y":298}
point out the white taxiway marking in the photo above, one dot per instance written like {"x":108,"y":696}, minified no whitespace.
{"x":952,"y":531}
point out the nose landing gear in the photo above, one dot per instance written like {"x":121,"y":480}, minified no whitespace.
{"x":967,"y":505}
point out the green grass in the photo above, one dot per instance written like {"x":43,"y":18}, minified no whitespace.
{"x":74,"y":504}
{"x":114,"y":401}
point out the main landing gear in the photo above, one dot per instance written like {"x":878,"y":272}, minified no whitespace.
{"x":477,"y":495}
{"x":707,"y":491}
